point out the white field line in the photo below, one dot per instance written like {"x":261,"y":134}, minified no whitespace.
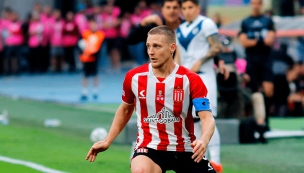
{"x":29,"y":164}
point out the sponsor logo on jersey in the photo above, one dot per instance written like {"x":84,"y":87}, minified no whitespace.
{"x":163,"y":117}
{"x":142,"y":150}
{"x":123,"y":93}
{"x":209,"y":167}
{"x":257,"y":24}
{"x":195,"y":31}
{"x":178,"y":95}
{"x":141,"y":94}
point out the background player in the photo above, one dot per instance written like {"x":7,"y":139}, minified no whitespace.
{"x":171,"y":18}
{"x":89,"y":56}
{"x":164,"y":94}
{"x":257,"y":36}
{"x":193,"y":39}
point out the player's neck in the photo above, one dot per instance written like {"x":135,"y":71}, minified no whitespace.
{"x":256,"y":14}
{"x":165,"y":70}
{"x":190,"y":21}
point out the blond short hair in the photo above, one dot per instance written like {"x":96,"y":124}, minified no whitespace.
{"x":164,"y":30}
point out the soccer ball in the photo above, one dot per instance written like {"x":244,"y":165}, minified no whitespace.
{"x":98,"y":134}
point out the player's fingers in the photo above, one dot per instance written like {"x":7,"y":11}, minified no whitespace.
{"x":197,"y":146}
{"x":89,"y":153}
{"x":199,"y":158}
{"x":93,"y":158}
{"x":196,"y":151}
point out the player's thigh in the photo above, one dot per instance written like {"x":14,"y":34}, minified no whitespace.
{"x":143,"y":164}
{"x":186,"y":164}
{"x":268,"y":88}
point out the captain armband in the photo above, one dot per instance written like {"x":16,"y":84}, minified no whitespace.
{"x":201,"y":104}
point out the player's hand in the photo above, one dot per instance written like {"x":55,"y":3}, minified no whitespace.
{"x":195,"y":68}
{"x":97,"y":148}
{"x":198,"y":150}
{"x":246,"y":78}
{"x":152,"y":19}
{"x":224,"y":71}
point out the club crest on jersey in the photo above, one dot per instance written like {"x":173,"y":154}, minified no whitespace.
{"x":178,"y":95}
{"x":160,"y":96}
{"x":142,"y":150}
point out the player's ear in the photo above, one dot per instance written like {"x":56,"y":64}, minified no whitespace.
{"x":172,"y":48}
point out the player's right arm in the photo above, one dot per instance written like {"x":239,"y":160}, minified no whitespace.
{"x":245,"y":41}
{"x":139,"y":33}
{"x":122,"y":116}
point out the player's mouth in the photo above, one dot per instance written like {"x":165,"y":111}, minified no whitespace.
{"x":153,"y":60}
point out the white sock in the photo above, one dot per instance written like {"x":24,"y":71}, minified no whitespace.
{"x":214,"y":147}
{"x":85,"y":91}
{"x":95,"y":90}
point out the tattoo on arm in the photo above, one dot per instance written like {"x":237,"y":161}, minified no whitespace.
{"x":215,"y":49}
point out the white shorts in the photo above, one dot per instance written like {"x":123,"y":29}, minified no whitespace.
{"x":209,"y":80}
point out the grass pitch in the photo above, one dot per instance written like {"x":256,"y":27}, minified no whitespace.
{"x":65,"y":148}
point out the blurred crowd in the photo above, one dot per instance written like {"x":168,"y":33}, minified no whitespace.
{"x":47,"y":40}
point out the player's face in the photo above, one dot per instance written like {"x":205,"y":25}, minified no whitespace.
{"x":159,"y":49}
{"x":190,"y":10}
{"x":256,"y":5}
{"x":171,"y":11}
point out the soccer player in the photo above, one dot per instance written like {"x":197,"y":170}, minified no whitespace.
{"x":89,"y":56}
{"x":198,"y":44}
{"x":163,"y":94}
{"x":257,"y":36}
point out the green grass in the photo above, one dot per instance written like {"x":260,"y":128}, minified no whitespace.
{"x":65,"y":148}
{"x":8,"y":167}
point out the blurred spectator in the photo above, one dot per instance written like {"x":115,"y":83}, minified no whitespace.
{"x":56,"y":42}
{"x":89,"y":8}
{"x":80,"y":18}
{"x":155,"y":8}
{"x":13,"y":42}
{"x":110,"y":27}
{"x":282,"y":64}
{"x":92,"y":39}
{"x":144,"y":11}
{"x":116,"y":9}
{"x":98,"y":16}
{"x":138,"y":50}
{"x":37,"y":8}
{"x":6,"y":16}
{"x":48,"y":20}
{"x":125,"y":28}
{"x":35,"y":42}
{"x":69,"y":40}
{"x":296,"y":97}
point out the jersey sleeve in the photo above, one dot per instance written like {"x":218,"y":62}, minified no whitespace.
{"x":209,"y":28}
{"x":243,"y":28}
{"x":271,"y":25}
{"x":127,"y":93}
{"x":198,"y":93}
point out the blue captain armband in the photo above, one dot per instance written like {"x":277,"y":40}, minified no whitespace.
{"x":201,"y":104}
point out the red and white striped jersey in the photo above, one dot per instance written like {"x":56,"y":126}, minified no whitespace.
{"x":163,"y":107}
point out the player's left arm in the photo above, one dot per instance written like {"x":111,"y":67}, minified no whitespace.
{"x":208,"y":126}
{"x":215,"y":49}
{"x":269,"y":39}
{"x":198,"y":92}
